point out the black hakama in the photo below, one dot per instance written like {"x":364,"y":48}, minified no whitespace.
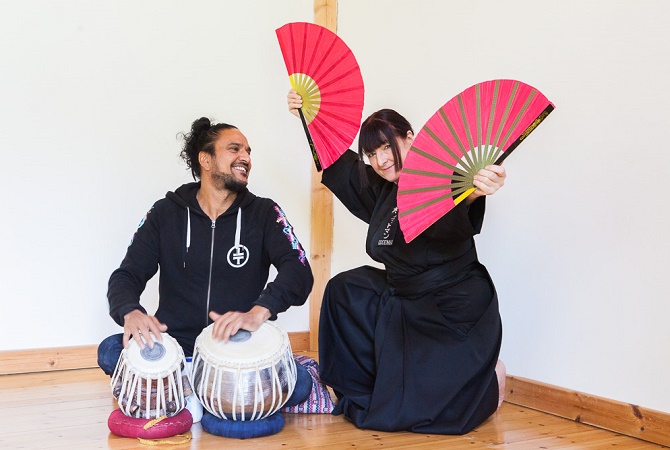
{"x":413,"y":347}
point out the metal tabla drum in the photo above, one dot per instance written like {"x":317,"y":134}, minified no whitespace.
{"x":248,"y":378}
{"x":149,"y":383}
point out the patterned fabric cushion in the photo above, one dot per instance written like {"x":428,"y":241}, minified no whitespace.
{"x":319,"y":401}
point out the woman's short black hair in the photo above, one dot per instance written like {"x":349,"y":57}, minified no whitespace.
{"x":381,"y":128}
{"x":201,"y":138}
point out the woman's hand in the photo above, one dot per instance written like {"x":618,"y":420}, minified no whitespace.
{"x":294,"y":101}
{"x":487,"y":181}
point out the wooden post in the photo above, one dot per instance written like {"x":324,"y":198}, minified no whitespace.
{"x":325,"y":14}
{"x":321,"y":237}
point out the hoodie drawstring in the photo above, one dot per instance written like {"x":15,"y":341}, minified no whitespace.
{"x":238,"y":228}
{"x":188,"y":228}
{"x":188,"y":232}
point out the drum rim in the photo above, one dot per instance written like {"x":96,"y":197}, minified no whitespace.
{"x":209,"y":358}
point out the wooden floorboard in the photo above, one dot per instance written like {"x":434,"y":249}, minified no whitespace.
{"x":69,"y":409}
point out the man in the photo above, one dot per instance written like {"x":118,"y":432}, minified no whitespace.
{"x":214,"y":242}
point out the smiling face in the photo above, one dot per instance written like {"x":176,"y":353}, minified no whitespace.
{"x":230,"y":165}
{"x":382,"y":160}
{"x":385,"y":138}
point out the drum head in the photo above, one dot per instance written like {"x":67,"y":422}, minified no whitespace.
{"x":164,"y":356}
{"x":263,"y":344}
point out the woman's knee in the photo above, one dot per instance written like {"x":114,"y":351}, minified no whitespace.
{"x":362,"y":278}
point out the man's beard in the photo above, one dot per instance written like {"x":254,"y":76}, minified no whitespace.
{"x":229,"y":182}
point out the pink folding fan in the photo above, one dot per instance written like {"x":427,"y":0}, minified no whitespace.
{"x":480,"y":126}
{"x":325,"y":73}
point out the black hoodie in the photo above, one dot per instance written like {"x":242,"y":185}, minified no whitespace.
{"x":207,"y":265}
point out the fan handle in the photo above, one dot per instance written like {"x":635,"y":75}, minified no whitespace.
{"x":317,"y":162}
{"x":543,"y":115}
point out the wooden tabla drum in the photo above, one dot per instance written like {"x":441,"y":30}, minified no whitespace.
{"x":149,"y":383}
{"x":248,"y":378}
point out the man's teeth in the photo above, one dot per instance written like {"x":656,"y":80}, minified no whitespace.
{"x":241,"y":169}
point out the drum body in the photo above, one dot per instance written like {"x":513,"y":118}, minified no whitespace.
{"x":150,"y":383}
{"x":248,"y":378}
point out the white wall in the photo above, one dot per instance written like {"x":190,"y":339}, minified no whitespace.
{"x":92,"y":96}
{"x":577,"y":241}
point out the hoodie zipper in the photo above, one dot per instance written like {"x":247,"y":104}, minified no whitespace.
{"x":211,"y":263}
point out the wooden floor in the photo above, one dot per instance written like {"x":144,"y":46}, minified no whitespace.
{"x":69,"y":409}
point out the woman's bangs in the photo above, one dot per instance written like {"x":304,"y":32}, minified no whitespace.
{"x":373,"y":137}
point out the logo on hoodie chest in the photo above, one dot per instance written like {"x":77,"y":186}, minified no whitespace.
{"x":238,"y":255}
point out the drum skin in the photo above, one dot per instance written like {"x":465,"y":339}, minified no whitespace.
{"x":247,"y":380}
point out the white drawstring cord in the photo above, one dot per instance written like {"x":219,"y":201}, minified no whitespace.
{"x":239,"y":226}
{"x":188,"y":228}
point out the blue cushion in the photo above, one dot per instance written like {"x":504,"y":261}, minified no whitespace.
{"x":242,"y":429}
{"x":303,"y":385}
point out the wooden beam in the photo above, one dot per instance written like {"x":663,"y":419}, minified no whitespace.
{"x":325,"y":14}
{"x":48,"y":359}
{"x":321,"y":247}
{"x":85,"y":357}
{"x":321,"y":236}
{"x":624,"y":418}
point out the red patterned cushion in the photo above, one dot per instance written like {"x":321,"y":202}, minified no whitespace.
{"x":319,"y":401}
{"x":124,"y":426}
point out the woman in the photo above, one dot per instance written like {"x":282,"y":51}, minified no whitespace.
{"x":413,"y":347}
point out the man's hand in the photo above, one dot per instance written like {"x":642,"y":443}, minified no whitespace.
{"x":140,"y":326}
{"x":229,"y":323}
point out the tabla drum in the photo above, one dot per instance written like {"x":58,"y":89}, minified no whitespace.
{"x":248,"y":378}
{"x":149,"y":383}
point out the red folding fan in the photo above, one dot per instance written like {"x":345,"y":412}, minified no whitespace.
{"x":478,"y":127}
{"x":325,"y":73}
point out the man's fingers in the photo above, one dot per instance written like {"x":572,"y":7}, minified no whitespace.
{"x":225,"y":327}
{"x":144,"y":336}
{"x":142,"y":340}
{"x":230,"y":329}
{"x":227,"y":330}
{"x":144,"y":329}
{"x":155,"y":328}
{"x":126,"y":338}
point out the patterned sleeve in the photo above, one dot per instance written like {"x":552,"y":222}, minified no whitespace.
{"x":294,"y":279}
